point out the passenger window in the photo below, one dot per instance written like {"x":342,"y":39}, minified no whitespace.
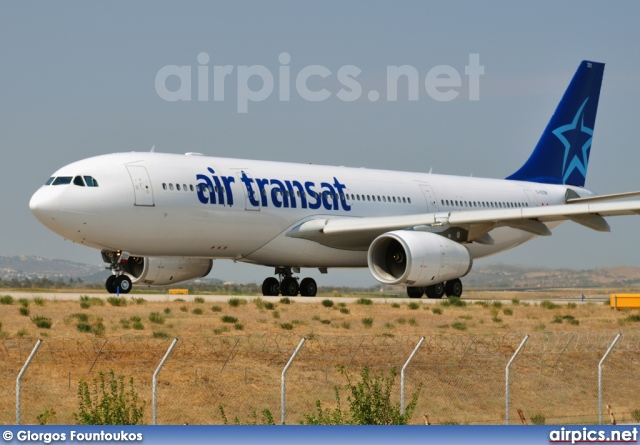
{"x":164,"y":186}
{"x":177,"y":186}
{"x":170,"y":186}
{"x":191,"y":187}
{"x":78,"y":181}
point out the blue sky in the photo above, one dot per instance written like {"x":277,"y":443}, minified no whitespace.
{"x":77,"y":80}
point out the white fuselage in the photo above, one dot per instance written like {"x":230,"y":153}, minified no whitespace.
{"x":166,"y":205}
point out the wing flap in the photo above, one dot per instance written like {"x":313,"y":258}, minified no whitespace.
{"x":356,"y":233}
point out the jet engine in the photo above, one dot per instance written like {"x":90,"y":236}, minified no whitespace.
{"x":413,"y":258}
{"x":164,"y":271}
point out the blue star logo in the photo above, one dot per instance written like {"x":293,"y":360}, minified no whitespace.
{"x":577,"y":156}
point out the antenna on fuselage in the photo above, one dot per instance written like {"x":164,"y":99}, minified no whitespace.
{"x":430,"y":170}
{"x":153,"y":149}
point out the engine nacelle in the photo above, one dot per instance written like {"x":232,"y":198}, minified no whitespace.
{"x":164,"y":271}
{"x":412,"y":258}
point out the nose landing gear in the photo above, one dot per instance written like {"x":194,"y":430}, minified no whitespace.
{"x":118,"y":282}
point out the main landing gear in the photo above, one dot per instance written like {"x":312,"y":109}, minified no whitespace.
{"x":287,"y":285}
{"x":452,"y":288}
{"x":118,"y":282}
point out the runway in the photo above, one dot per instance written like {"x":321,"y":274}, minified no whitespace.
{"x":559,"y":296}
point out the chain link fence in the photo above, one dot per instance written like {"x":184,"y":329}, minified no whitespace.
{"x":460,"y":379}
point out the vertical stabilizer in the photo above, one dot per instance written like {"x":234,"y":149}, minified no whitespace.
{"x":562,"y":153}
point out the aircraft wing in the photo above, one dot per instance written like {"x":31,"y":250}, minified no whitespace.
{"x":355,"y":233}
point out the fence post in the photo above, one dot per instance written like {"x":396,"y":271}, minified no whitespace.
{"x":600,"y":377}
{"x":507,"y":377}
{"x":402,"y":374}
{"x":283,"y":380}
{"x":22,"y":371}
{"x":155,"y":379}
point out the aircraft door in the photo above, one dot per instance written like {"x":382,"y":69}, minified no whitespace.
{"x":251,"y":191}
{"x":430,"y":198}
{"x":531,"y":196}
{"x":141,"y":185}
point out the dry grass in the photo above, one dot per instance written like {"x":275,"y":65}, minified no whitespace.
{"x":247,"y":380}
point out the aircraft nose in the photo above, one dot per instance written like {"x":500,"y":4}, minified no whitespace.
{"x":45,"y":205}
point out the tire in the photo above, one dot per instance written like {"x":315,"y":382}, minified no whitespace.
{"x":453,"y":288}
{"x":435,"y":291}
{"x":124,"y":283}
{"x":289,"y":287}
{"x":415,"y":292}
{"x":270,"y":287}
{"x":110,"y":285}
{"x":308,"y":287}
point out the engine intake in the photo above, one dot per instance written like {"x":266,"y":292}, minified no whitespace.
{"x":164,"y":271}
{"x":411,"y":258}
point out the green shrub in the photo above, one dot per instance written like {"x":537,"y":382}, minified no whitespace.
{"x":286,"y":326}
{"x":138,"y":300}
{"x":238,"y":326}
{"x":83,"y":327}
{"x":23,"y":302}
{"x":507,"y":311}
{"x":285,"y":300}
{"x":235,"y":302}
{"x":461,"y":326}
{"x":346,"y":325}
{"x":497,"y":304}
{"x":24,"y":311}
{"x":6,"y":299}
{"x":571,"y":305}
{"x":117,"y":301}
{"x":198,"y":300}
{"x":413,"y":305}
{"x":515,"y":302}
{"x":39,"y":301}
{"x":216,"y":308}
{"x":98,"y":329}
{"x":636,"y":415}
{"x":167,"y":311}
{"x":42,"y":322}
{"x":269,"y":305}
{"x":537,"y":419}
{"x":80,"y":316}
{"x":395,"y":305}
{"x":325,"y":321}
{"x":549,"y":305}
{"x":633,"y":317}
{"x":369,"y":403}
{"x":183,"y":308}
{"x":137,"y":325}
{"x":23,"y":333}
{"x":197,"y":311}
{"x":108,"y":403}
{"x":364,"y":301}
{"x":436,"y":310}
{"x":219,"y":331}
{"x":157,"y":318}
{"x":229,"y":319}
{"x":557,"y":319}
{"x":412,"y":322}
{"x":344,"y":310}
{"x":367,"y":322}
{"x":276,"y":314}
{"x":160,"y":334}
{"x":327,"y":303}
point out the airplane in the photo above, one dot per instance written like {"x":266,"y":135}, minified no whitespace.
{"x":160,"y":219}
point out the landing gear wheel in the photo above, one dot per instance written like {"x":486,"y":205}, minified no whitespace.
{"x":308,"y":287}
{"x":415,"y":292}
{"x":453,"y":288}
{"x":435,"y":291}
{"x":270,"y":287}
{"x":124,"y":283}
{"x":110,"y":285}
{"x":289,"y":287}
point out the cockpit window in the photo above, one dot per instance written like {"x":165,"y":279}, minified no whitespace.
{"x":91,"y":182}
{"x":50,"y":180}
{"x":78,"y":181}
{"x":62,"y":180}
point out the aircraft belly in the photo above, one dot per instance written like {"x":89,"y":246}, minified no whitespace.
{"x":285,"y":251}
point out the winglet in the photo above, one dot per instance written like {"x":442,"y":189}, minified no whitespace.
{"x":562,"y":153}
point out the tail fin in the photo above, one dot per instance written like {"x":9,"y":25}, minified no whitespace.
{"x":562,"y":153}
